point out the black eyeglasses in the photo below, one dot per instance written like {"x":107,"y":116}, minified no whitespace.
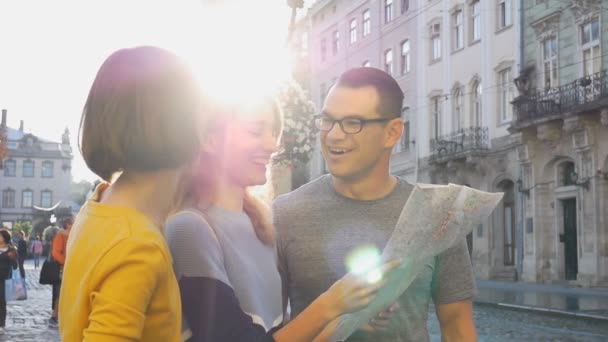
{"x":348,"y":125}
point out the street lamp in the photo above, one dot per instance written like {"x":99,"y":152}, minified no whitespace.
{"x":294,"y":5}
{"x":520,"y":188}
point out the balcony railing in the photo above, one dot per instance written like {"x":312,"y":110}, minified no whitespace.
{"x":582,"y":95}
{"x":459,"y":144}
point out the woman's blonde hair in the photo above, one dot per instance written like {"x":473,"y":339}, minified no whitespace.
{"x":200,"y":186}
{"x":142,"y":113}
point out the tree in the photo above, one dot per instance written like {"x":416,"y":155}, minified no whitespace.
{"x":80,"y":190}
{"x":25,"y":226}
{"x":298,"y":135}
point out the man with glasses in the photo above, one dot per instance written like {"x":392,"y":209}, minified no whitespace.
{"x":358,"y":205}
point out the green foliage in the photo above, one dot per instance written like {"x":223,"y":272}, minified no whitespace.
{"x":21,"y":226}
{"x":79,"y":191}
{"x":298,"y":137}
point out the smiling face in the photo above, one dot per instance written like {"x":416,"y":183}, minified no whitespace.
{"x":355,"y":156}
{"x":249,"y":140}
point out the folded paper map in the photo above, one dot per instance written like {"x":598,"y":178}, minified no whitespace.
{"x":434,"y":218}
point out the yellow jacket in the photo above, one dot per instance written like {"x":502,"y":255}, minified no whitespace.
{"x":118,"y":281}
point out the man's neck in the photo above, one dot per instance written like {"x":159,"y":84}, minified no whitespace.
{"x":367,"y":189}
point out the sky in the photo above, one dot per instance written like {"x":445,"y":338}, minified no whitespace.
{"x":50,"y":50}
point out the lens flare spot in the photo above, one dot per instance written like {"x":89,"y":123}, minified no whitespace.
{"x":364,"y":261}
{"x":374,"y":276}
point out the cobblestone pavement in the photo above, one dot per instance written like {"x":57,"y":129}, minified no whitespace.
{"x":27,"y":321}
{"x":502,"y":324}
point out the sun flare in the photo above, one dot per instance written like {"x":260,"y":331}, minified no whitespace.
{"x":240,"y":52}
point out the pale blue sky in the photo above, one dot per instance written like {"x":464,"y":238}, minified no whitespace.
{"x":51,"y":50}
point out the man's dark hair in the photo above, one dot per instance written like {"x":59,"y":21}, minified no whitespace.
{"x":390,"y":94}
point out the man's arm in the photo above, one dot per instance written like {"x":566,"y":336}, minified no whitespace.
{"x":453,"y":289}
{"x":456,"y":321}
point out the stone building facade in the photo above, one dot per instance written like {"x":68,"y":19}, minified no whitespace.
{"x":562,"y":119}
{"x":499,"y":97}
{"x":35,"y":174}
{"x":344,"y":34}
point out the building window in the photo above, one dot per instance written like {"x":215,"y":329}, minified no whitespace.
{"x":353,"y":31}
{"x":458,"y":104}
{"x":27,"y":198}
{"x":405,"y":6}
{"x":458,"y":30}
{"x":590,"y":39}
{"x":47,"y":169}
{"x":323,"y":50}
{"x":28,"y":168}
{"x":388,"y":11}
{"x":367,"y":23}
{"x":566,"y":170}
{"x":335,"y":46}
{"x":549,"y":51}
{"x":504,"y":13}
{"x":505,"y":95}
{"x":405,"y":57}
{"x":435,"y":32}
{"x":436,"y":117}
{"x":46,"y":199}
{"x":405,"y":138}
{"x":475,"y":21}
{"x":388,"y":61}
{"x":8,"y":198}
{"x":476,"y":104}
{"x":10,"y":168}
{"x":367,"y":64}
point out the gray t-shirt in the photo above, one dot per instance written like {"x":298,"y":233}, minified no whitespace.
{"x":317,"y":228}
{"x":222,"y":245}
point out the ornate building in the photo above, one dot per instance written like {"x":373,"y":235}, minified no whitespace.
{"x":500,"y":98}
{"x":562,"y":118}
{"x":36,"y":173}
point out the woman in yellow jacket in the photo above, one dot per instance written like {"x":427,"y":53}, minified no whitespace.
{"x":139,"y":132}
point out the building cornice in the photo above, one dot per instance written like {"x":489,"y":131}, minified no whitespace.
{"x":548,"y":25}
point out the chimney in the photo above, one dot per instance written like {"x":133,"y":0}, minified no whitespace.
{"x":3,"y":118}
{"x":21,"y":126}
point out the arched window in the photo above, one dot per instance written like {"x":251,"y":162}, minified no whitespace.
{"x":476,"y":104}
{"x":458,"y":107}
{"x":566,"y":172}
{"x":10,"y":168}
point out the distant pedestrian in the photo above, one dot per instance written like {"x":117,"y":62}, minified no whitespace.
{"x":8,"y":261}
{"x":22,"y":252}
{"x":48,"y":234}
{"x":36,"y":250}
{"x":60,"y":243}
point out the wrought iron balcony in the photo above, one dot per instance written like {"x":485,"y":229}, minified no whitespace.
{"x":460,"y":144}
{"x":583,"y":95}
